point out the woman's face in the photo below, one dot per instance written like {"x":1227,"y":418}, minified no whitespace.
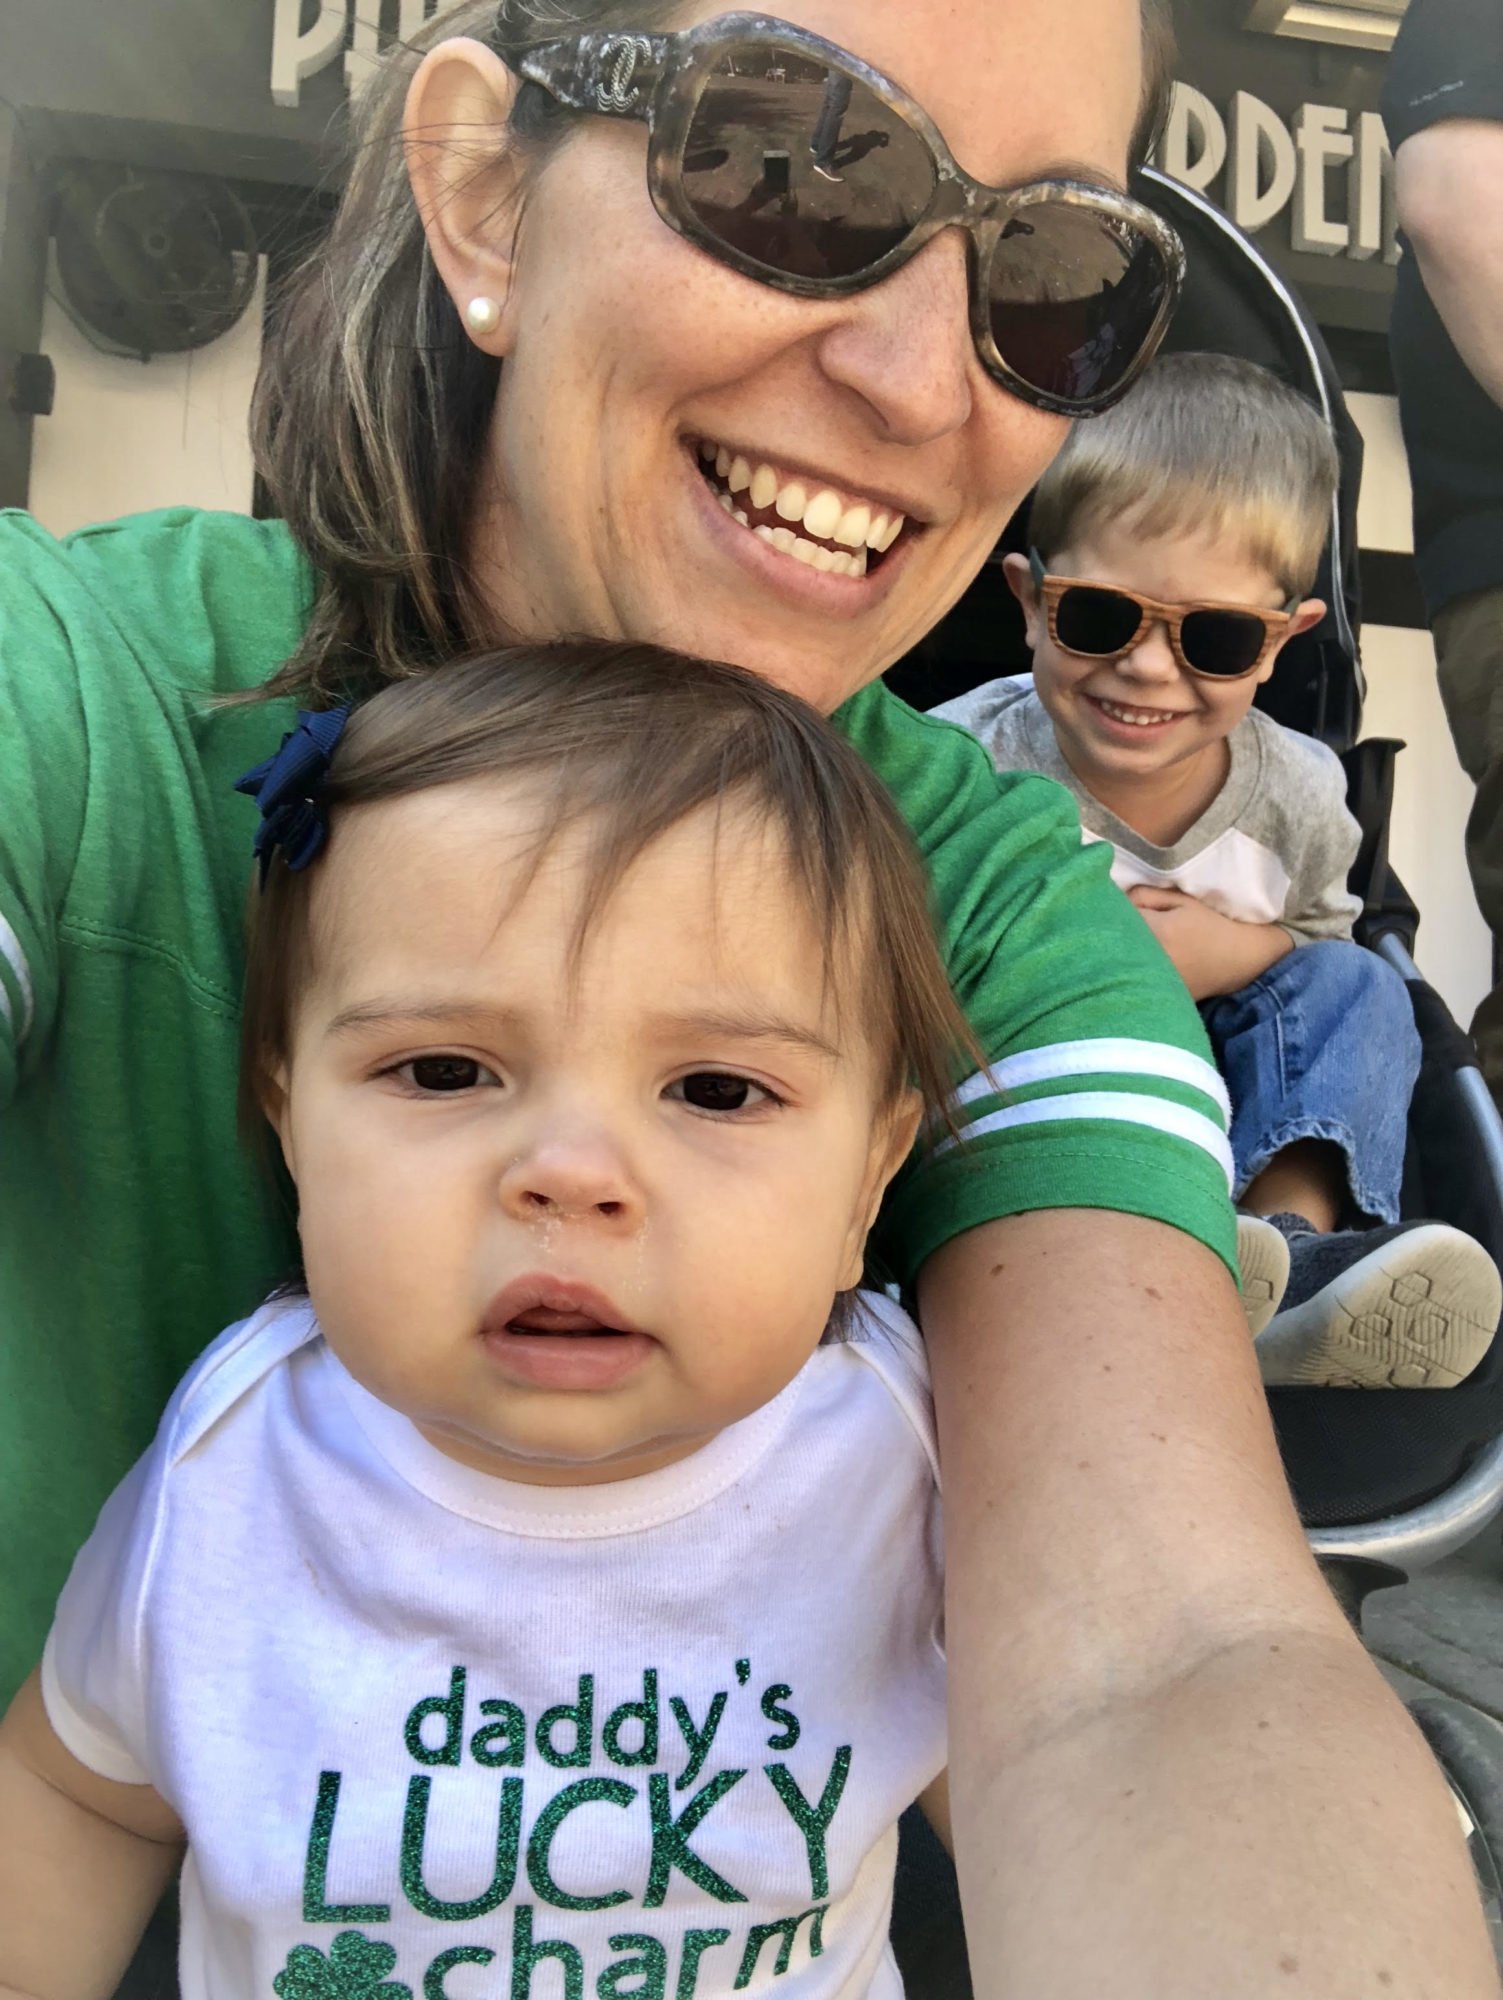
{"x":626,"y":348}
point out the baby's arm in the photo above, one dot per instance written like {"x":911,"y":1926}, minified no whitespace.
{"x":83,"y":1862}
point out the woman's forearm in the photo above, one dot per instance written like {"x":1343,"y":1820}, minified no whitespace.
{"x":1174,"y":1772}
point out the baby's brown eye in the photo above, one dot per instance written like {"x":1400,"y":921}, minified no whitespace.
{"x":710,"y":1090}
{"x":445,"y":1072}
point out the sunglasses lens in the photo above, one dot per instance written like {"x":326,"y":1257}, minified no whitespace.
{"x":802,"y":167}
{"x":1222,"y":642}
{"x":1095,"y":622}
{"x":1075,"y":297}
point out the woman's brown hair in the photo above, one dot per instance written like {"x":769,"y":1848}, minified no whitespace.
{"x":371,"y":398}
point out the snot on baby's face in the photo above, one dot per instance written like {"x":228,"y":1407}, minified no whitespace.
{"x":572,"y":1219}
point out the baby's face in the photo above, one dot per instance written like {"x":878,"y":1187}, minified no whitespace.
{"x":572,"y":1220}
{"x":1139,"y":714}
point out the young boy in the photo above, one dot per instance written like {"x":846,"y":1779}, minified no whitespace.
{"x":547,"y":1599}
{"x":1174,"y":543}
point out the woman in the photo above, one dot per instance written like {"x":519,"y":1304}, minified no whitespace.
{"x":512,"y":399}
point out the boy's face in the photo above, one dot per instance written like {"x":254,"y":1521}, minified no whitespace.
{"x":1138,"y":718}
{"x":573,"y":1221}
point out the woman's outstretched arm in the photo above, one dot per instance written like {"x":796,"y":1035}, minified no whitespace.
{"x":1174,"y":1770}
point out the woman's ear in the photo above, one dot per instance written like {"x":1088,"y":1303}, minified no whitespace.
{"x":1020,"y":582}
{"x":464,"y":180}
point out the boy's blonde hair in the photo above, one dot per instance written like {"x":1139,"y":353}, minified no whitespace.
{"x":1201,"y":443}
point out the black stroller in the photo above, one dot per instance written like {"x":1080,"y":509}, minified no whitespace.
{"x":1385,"y":1483}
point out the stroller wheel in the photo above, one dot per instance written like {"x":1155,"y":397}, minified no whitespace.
{"x":1468,"y":1745}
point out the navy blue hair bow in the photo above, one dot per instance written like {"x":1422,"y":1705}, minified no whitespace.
{"x":289,"y":789}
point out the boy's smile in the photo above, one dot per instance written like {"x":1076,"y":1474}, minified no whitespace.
{"x":574,"y":1213}
{"x":1143,"y":736}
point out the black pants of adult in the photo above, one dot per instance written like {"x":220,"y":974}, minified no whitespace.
{"x":1469,"y":652}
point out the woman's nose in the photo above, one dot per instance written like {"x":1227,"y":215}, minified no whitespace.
{"x":580,"y":1175}
{"x":904,"y":346}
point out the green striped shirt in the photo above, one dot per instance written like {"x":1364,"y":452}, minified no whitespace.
{"x":133,"y":1226}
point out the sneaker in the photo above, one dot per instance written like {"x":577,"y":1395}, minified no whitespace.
{"x":828,"y":173}
{"x":1263,"y":1258}
{"x":1414,"y":1305}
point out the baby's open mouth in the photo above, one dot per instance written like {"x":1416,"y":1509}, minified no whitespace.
{"x":540,"y":1319}
{"x":835,"y":533}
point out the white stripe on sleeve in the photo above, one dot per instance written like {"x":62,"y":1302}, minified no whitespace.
{"x":15,"y":958}
{"x":1107,"y":1056}
{"x":1177,"y":1121}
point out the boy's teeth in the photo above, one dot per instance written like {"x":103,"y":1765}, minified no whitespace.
{"x":823,"y":515}
{"x":1141,"y":718}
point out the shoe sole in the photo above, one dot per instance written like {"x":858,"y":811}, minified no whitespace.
{"x":1418,"y":1314}
{"x":1263,"y":1258}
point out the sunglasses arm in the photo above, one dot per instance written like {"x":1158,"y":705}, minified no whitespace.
{"x":613,"y":75}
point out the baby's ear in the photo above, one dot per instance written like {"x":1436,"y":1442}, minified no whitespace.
{"x":275,"y":1100}
{"x":893,"y":1134}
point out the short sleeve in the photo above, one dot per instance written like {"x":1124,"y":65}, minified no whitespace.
{"x":1100,"y":1091}
{"x":44,"y":761}
{"x":1447,"y":63}
{"x":93,"y":1679}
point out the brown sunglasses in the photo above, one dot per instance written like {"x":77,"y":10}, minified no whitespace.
{"x":1098,"y":621}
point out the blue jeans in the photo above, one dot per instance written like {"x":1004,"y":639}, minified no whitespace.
{"x":1322,"y":1046}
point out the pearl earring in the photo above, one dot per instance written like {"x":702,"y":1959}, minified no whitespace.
{"x":482,"y":315}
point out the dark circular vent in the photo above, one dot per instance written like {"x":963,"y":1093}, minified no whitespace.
{"x":153,"y":263}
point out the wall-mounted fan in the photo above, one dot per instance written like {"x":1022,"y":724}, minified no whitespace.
{"x":152,"y":263}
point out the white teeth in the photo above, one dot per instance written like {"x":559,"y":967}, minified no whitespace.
{"x":764,"y":488}
{"x":857,"y":529}
{"x":823,"y":515}
{"x":851,"y":530}
{"x":1138,"y":718}
{"x":791,"y":503}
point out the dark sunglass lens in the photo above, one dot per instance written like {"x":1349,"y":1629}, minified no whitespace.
{"x":1075,"y":298}
{"x":1095,"y":622}
{"x":1222,"y":642}
{"x":802,"y":167}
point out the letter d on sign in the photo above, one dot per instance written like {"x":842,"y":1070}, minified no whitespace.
{"x":297,"y":52}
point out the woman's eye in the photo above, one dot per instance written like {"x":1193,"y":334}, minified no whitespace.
{"x":435,"y":1074}
{"x":712,"y":1090}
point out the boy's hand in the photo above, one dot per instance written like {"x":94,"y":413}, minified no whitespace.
{"x":1213,"y":954}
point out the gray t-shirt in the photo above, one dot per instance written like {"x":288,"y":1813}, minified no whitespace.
{"x":1273,"y":847}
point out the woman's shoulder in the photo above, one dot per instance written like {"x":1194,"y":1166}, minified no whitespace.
{"x":211,"y":601}
{"x":943,"y":778}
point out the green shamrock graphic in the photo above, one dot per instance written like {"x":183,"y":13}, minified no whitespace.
{"x":355,"y":1969}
